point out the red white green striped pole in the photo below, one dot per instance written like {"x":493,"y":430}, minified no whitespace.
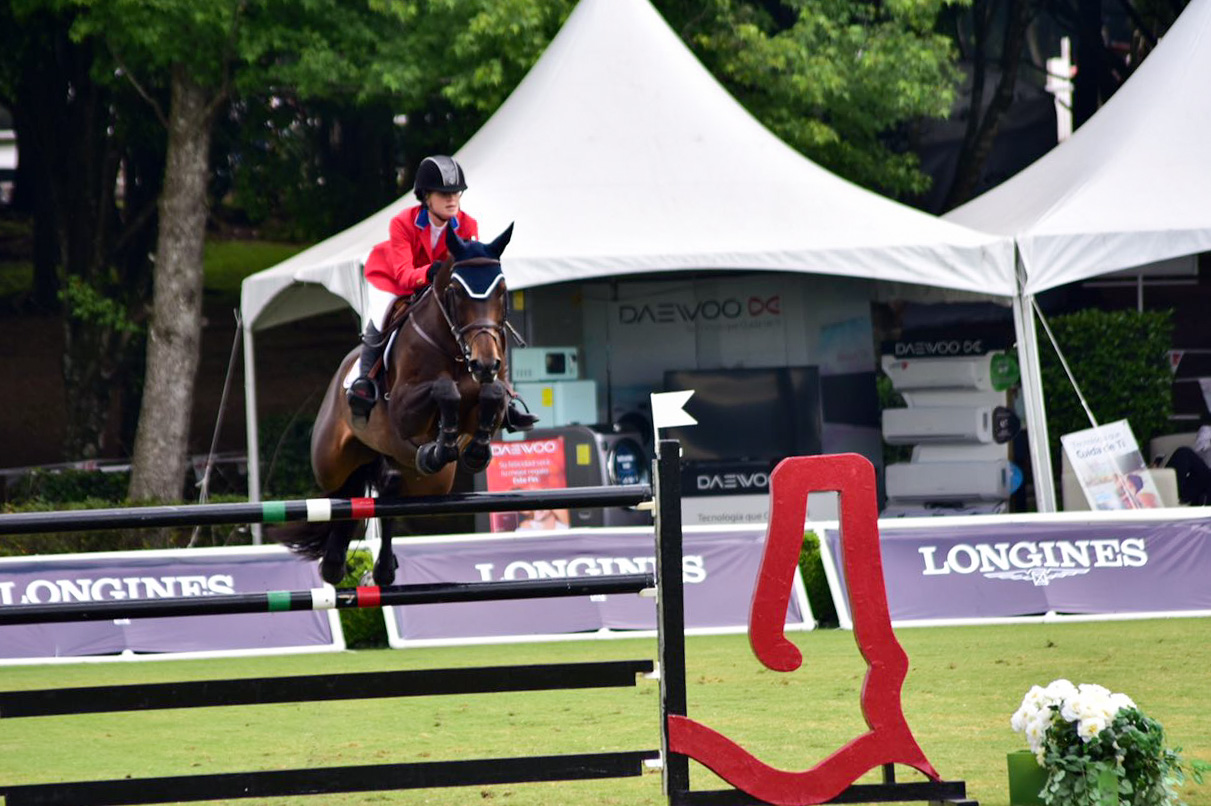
{"x":327,"y":598}
{"x":320,"y":509}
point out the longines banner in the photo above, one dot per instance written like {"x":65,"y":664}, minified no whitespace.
{"x":719,"y":568}
{"x":115,"y":576}
{"x":959,"y":569}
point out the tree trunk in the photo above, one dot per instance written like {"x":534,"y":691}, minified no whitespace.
{"x":175,"y":333}
{"x":983,"y":125}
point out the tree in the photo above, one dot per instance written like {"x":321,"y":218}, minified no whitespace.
{"x":75,"y":132}
{"x":206,"y":52}
{"x":1001,"y":33}
{"x":836,"y":79}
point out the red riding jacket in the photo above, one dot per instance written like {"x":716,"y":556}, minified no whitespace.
{"x":400,"y":264}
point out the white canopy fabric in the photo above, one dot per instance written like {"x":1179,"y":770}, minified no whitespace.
{"x":1131,"y":186}
{"x":620,"y":154}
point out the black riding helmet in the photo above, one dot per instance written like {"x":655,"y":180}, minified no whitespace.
{"x":439,"y":173}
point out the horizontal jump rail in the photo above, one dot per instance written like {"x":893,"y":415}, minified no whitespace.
{"x":326,"y":599}
{"x":322,"y":688}
{"x":939,"y":792}
{"x":328,"y":780}
{"x":321,"y":509}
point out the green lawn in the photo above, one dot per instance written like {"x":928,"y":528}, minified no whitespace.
{"x":228,"y":262}
{"x":964,"y":684}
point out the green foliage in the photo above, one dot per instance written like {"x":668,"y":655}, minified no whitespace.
{"x":101,"y":307}
{"x":68,"y":487}
{"x":811,"y":568}
{"x":1131,"y":749}
{"x":364,"y":628}
{"x":285,"y":445}
{"x":1119,"y":360}
{"x":837,"y":80}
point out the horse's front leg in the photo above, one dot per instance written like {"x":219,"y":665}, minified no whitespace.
{"x":478,"y":453}
{"x":383,"y":572}
{"x":433,"y":456}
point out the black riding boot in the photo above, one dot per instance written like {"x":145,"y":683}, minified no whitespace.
{"x":363,"y":392}
{"x":517,"y":420}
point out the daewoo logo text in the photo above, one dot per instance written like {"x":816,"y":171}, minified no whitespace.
{"x":923,"y":349}
{"x":525,"y":448}
{"x":733,"y":481}
{"x":711,"y":310}
{"x":1037,"y":562}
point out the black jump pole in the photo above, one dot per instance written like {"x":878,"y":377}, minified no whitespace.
{"x":326,"y":599}
{"x":321,"y":509}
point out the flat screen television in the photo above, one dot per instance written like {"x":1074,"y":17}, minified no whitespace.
{"x":749,"y":414}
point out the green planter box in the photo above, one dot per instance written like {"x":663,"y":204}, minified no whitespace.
{"x":1027,"y":779}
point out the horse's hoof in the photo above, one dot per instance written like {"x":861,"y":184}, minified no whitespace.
{"x":426,"y":459}
{"x":383,"y":574}
{"x":475,"y":458}
{"x":433,"y":456}
{"x":333,"y":572}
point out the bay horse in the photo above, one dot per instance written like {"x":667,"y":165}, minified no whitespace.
{"x":443,"y":402}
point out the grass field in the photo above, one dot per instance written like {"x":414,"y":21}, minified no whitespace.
{"x":964,"y":684}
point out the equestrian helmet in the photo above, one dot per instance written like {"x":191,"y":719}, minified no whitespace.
{"x":439,"y":173}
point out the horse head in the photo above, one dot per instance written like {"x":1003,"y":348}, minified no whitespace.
{"x":472,"y":292}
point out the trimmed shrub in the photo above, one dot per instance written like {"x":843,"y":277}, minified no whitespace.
{"x":811,"y":567}
{"x":1119,"y":359}
{"x":364,"y":628}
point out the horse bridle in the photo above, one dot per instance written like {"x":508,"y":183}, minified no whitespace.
{"x":465,"y":335}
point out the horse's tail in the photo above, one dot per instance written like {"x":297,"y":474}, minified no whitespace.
{"x":308,"y":539}
{"x":304,"y":539}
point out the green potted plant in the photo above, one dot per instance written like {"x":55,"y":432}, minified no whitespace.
{"x":1093,"y":747}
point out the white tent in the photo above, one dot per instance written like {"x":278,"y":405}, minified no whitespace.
{"x":1132,"y":186}
{"x":620,"y":154}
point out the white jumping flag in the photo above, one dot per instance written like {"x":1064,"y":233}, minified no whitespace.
{"x":668,"y":411}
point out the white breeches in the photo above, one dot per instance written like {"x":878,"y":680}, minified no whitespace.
{"x":378,"y":302}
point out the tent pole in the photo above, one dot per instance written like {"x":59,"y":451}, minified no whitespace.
{"x":250,"y":424}
{"x":1032,"y":395}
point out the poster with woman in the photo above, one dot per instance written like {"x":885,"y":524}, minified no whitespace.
{"x":1110,"y":467}
{"x":532,"y":464}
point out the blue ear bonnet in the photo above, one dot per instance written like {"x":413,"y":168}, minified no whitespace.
{"x":480,"y":280}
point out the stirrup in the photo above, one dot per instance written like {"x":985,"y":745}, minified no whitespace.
{"x":518,"y":421}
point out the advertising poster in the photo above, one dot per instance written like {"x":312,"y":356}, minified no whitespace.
{"x":172,"y":573}
{"x":1110,"y":467}
{"x":962,"y":570}
{"x":719,"y":568}
{"x":532,"y":464}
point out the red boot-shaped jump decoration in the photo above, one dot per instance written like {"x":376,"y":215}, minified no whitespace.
{"x":889,"y":741}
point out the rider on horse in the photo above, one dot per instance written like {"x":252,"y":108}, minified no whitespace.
{"x":405,"y":265}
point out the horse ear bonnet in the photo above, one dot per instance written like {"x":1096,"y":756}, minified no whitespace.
{"x":480,"y":281}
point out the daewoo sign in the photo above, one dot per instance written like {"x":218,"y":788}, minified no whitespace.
{"x":530,"y":448}
{"x":758,"y":481}
{"x":711,"y":310}
{"x":1038,"y":562}
{"x":939,"y":347}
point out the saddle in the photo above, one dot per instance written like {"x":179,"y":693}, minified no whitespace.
{"x":401,"y":309}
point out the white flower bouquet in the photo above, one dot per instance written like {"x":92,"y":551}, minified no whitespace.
{"x":1086,"y":736}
